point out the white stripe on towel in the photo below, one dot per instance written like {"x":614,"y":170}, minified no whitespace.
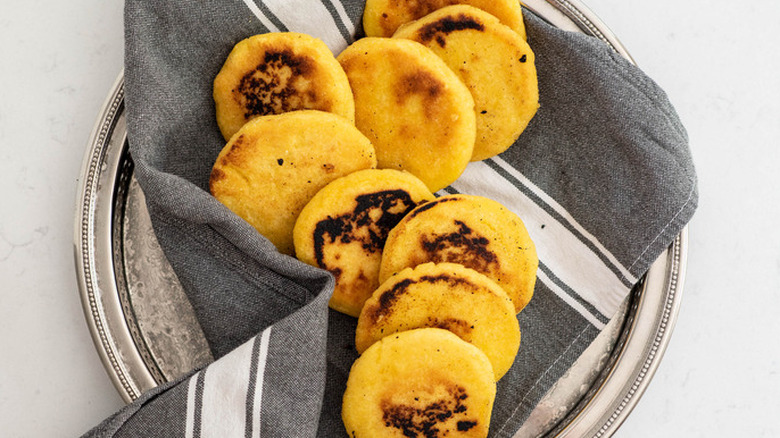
{"x":224,"y":395}
{"x":260,"y":16}
{"x":344,"y":16}
{"x":220,"y":409}
{"x":575,"y":264}
{"x":189,"y":426}
{"x":306,"y":16}
{"x":257,"y":410}
{"x":566,"y":298}
{"x":565,"y":214}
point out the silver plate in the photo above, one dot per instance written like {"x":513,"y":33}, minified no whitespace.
{"x":146,"y":333}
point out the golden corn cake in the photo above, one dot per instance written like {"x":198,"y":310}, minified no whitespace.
{"x":447,"y":296}
{"x":495,"y":63}
{"x":474,"y":231}
{"x":275,"y":73}
{"x":381,"y":18}
{"x":344,"y":227}
{"x":419,"y":383}
{"x":273,"y":166}
{"x":417,"y":113}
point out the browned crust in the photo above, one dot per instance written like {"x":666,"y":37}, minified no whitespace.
{"x":270,"y":87}
{"x":393,"y":205}
{"x":430,"y":205}
{"x":446,"y":25}
{"x":425,"y":420}
{"x":415,"y":9}
{"x":388,"y":298}
{"x":463,"y":246}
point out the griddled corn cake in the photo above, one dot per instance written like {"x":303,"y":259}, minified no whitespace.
{"x":417,"y":113}
{"x":344,"y":227}
{"x":448,"y":296}
{"x":275,"y":164}
{"x":473,"y":231}
{"x":419,"y":383}
{"x":381,"y":18}
{"x":274,"y":73}
{"x":494,"y":62}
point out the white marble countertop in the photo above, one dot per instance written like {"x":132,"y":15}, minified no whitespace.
{"x":717,"y":60}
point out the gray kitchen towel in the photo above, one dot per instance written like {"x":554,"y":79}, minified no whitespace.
{"x":602,"y":178}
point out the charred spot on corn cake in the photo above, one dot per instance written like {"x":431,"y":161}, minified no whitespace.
{"x":458,"y":326}
{"x":236,"y":146}
{"x":426,"y":420}
{"x":269,"y":88}
{"x":463,"y":246}
{"x":336,"y":273}
{"x":424,"y":7}
{"x":216,"y":176}
{"x":431,"y":204}
{"x":464,"y":426}
{"x":393,"y":205}
{"x":388,"y":298}
{"x":415,"y":9}
{"x":419,"y":83}
{"x":438,"y":29}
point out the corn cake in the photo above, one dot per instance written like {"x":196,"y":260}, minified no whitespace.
{"x":279,"y":72}
{"x":381,"y":18}
{"x":424,"y":382}
{"x":273,"y":166}
{"x":473,"y":231}
{"x":417,"y":113}
{"x":448,"y":296}
{"x":495,"y":63}
{"x":344,"y":227}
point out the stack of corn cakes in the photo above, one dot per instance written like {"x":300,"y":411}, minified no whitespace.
{"x":336,"y":161}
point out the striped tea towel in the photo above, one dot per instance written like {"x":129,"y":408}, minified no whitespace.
{"x":602,"y":178}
